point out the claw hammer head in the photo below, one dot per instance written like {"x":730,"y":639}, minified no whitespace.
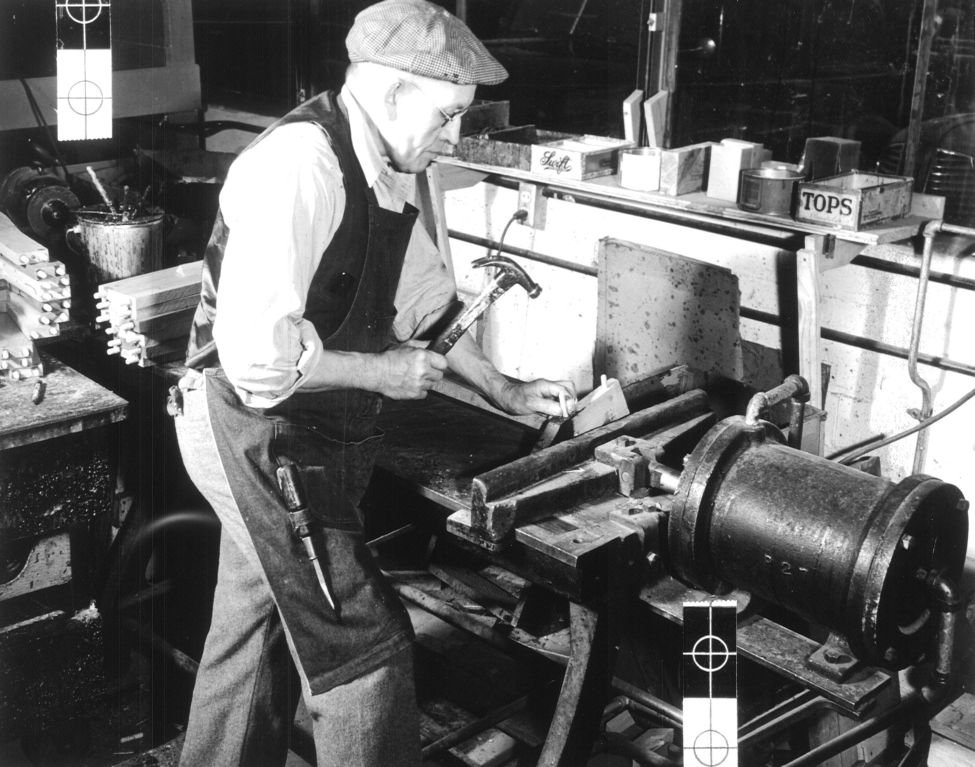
{"x":509,"y":273}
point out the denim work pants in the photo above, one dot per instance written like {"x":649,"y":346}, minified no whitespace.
{"x":250,"y":679}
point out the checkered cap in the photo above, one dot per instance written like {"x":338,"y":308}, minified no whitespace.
{"x":424,"y":39}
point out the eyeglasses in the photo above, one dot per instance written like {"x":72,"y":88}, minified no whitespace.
{"x":446,"y":117}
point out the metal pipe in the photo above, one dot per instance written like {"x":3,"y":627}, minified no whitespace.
{"x":617,"y":744}
{"x":905,"y":270}
{"x":793,"y":386}
{"x":867,"y":344}
{"x":858,"y":733}
{"x":948,"y":603}
{"x":531,"y":255}
{"x":802,"y":706}
{"x":669,"y":714}
{"x":930,"y":230}
{"x":921,"y":446}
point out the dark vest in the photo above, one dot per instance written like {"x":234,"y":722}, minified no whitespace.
{"x":338,"y":279}
{"x":339,"y":283}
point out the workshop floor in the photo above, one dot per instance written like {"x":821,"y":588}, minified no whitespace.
{"x":119,"y":724}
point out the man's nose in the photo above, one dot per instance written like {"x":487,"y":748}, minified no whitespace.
{"x":451,"y":131}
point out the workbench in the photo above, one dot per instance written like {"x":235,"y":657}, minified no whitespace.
{"x":58,"y":468}
{"x":58,"y":471}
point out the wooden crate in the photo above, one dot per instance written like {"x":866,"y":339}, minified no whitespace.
{"x":506,"y":147}
{"x":484,"y":115}
{"x":578,"y":157}
{"x":853,"y":200}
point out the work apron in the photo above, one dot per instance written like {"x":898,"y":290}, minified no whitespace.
{"x":332,"y":438}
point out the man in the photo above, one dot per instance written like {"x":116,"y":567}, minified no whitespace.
{"x":315,"y":269}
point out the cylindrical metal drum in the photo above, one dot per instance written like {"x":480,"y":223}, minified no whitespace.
{"x":117,"y":247}
{"x":839,"y":547}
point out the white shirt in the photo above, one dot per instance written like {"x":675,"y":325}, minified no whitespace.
{"x":282,"y":201}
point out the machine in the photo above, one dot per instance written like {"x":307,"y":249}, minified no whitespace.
{"x":687,"y":499}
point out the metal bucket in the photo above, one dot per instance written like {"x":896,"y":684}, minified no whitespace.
{"x":117,"y":246}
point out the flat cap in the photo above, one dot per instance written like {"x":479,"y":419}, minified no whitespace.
{"x":424,"y":39}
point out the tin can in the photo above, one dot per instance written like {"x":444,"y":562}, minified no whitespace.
{"x":769,"y":190}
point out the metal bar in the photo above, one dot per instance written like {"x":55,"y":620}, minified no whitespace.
{"x":867,"y":344}
{"x":857,"y":734}
{"x":921,"y":446}
{"x":903,"y":270}
{"x":669,"y":713}
{"x":787,"y":718}
{"x":531,"y":255}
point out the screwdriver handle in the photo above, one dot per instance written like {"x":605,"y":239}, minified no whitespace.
{"x":290,"y":483}
{"x":289,"y":480}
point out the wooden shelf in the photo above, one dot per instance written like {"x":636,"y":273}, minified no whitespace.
{"x":694,"y":208}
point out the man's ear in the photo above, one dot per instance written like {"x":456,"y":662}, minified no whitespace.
{"x":391,"y":100}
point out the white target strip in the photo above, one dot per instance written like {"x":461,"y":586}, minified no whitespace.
{"x":84,"y":62}
{"x":710,"y":684}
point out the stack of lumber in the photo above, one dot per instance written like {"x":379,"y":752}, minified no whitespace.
{"x":148,"y":316}
{"x":18,"y":355}
{"x":35,"y":296}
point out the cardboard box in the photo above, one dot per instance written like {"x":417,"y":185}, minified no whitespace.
{"x":578,"y":157}
{"x":854,"y":200}
{"x":506,"y":147}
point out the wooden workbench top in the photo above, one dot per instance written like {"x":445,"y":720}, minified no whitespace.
{"x":71,"y":403}
{"x":438,"y":445}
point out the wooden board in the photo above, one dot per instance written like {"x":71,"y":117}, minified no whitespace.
{"x":25,"y":281}
{"x":659,"y":309}
{"x":17,"y":247}
{"x":156,"y":287}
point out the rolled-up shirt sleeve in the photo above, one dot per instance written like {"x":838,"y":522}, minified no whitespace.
{"x":282,"y":202}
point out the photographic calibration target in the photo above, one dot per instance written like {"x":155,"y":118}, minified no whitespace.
{"x":710,"y":684}
{"x":84,"y":59}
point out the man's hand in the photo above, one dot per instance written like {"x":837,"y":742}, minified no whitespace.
{"x":539,"y":396}
{"x":408,"y":372}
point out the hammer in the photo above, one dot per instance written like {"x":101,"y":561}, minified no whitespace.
{"x":508,"y":273}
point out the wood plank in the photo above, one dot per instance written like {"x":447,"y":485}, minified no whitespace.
{"x":17,"y":247}
{"x":152,"y":288}
{"x":21,"y":280}
{"x":14,"y":343}
{"x":30,"y":316}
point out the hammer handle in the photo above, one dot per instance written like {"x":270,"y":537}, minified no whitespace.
{"x":444,"y":342}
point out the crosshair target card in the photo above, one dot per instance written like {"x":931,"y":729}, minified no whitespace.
{"x":710,"y":684}
{"x":84,"y":58}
